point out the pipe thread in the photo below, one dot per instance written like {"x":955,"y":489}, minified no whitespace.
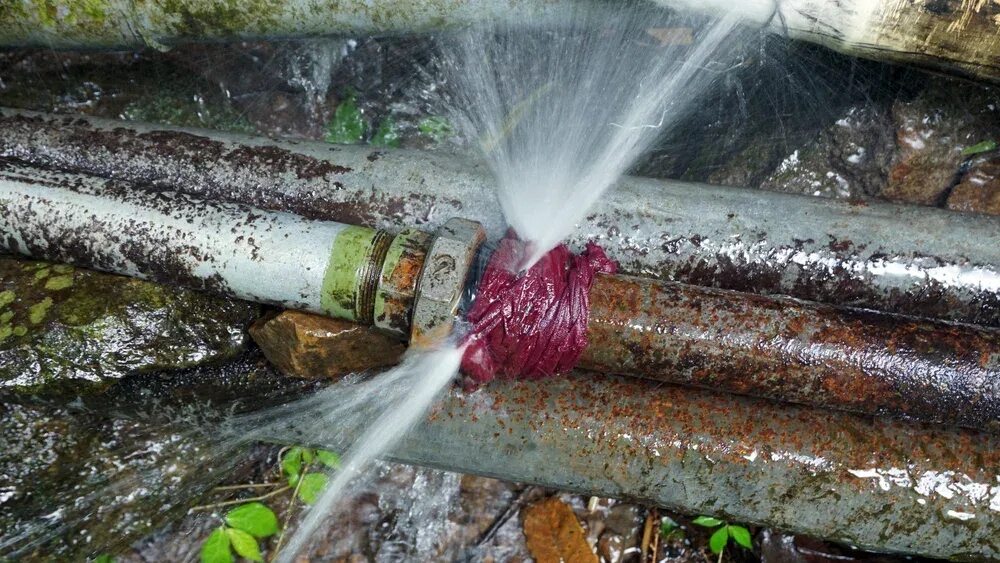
{"x":368,"y":275}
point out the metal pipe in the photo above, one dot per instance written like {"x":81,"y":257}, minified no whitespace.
{"x":780,"y":349}
{"x":788,"y":350}
{"x":959,"y":38}
{"x":896,"y":258}
{"x":877,"y":484}
{"x":267,"y":257}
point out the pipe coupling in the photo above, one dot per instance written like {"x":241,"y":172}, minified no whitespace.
{"x":442,"y":281}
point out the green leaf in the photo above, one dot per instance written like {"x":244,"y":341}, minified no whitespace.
{"x":707,"y":521}
{"x":253,"y":518}
{"x":216,"y":547}
{"x":307,"y":455}
{"x":386,"y":135}
{"x":741,"y":535}
{"x":670,"y":530}
{"x":719,"y":540}
{"x":291,"y":464}
{"x":348,"y":125}
{"x":104,"y":558}
{"x":984,"y":146}
{"x":437,"y":128}
{"x":328,"y":458}
{"x":244,"y":544}
{"x":312,"y":485}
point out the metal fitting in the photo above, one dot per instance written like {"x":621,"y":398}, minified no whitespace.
{"x":397,"y":287}
{"x":353,"y":273}
{"x":442,"y":281}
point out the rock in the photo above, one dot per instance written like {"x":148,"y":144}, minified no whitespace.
{"x":554,"y":534}
{"x":70,"y":332}
{"x":611,"y":547}
{"x":784,"y":547}
{"x":626,"y":520}
{"x":931,"y":133}
{"x":76,"y":484}
{"x":979,"y":189}
{"x":848,"y":159}
{"x":310,"y":346}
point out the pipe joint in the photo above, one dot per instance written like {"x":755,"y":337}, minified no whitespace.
{"x":443,"y":278}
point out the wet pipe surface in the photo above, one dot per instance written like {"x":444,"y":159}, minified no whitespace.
{"x":789,"y":350}
{"x":873,"y":482}
{"x":848,"y":253}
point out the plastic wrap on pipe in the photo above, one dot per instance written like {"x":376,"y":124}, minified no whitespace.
{"x":903,"y":259}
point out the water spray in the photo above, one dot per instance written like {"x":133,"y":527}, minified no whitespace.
{"x":411,"y":285}
{"x":870,"y":255}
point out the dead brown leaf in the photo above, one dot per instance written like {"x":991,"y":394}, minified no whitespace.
{"x":554,"y":535}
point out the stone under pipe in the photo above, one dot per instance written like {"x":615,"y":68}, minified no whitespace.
{"x":412,"y":285}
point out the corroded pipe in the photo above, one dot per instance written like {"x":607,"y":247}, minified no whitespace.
{"x":781,"y":349}
{"x":789,"y":350}
{"x":902,"y":259}
{"x":878,"y":484}
{"x":343,"y":271}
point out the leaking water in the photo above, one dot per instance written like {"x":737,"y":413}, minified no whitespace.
{"x":561,"y":114}
{"x":367,"y":417}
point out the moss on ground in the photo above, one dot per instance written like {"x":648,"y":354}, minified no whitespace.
{"x":74,"y":331}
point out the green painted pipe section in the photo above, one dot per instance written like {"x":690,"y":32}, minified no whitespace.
{"x":397,"y":284}
{"x":351,"y":277}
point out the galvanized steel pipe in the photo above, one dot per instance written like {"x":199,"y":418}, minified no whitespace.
{"x":411,"y":285}
{"x":877,"y":484}
{"x":902,"y":259}
{"x":268,"y":257}
{"x":789,"y":350}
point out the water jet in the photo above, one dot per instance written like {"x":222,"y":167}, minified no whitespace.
{"x":412,"y":284}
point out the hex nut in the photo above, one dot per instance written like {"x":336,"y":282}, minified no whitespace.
{"x":442,"y":280}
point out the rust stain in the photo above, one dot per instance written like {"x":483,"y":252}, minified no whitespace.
{"x":789,"y":350}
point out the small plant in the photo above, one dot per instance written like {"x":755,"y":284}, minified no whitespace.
{"x":981,"y":147}
{"x":720,"y":538}
{"x":251,"y":521}
{"x":386,"y":134}
{"x":348,"y":125}
{"x":295,"y":465}
{"x":437,"y":128}
{"x":243,"y":527}
{"x":670,"y":530}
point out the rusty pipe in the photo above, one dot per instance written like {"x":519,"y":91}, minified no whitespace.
{"x":790,"y":350}
{"x":880,"y":484}
{"x":896,"y":258}
{"x":781,"y":349}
